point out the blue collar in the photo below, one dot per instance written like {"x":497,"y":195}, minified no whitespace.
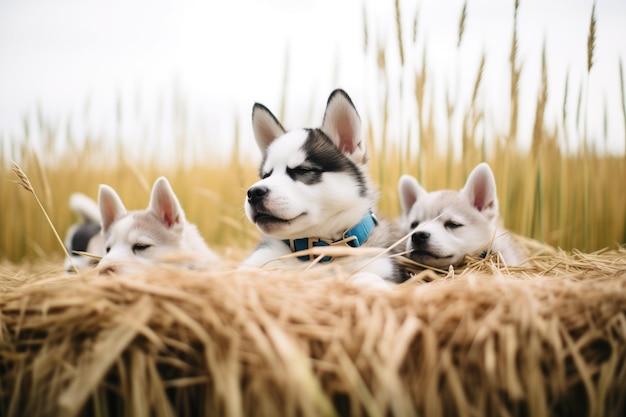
{"x":359,"y":234}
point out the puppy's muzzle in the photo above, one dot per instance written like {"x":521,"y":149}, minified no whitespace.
{"x":257,"y":194}
{"x":420,"y":238}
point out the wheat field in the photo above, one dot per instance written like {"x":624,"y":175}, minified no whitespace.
{"x":547,"y":192}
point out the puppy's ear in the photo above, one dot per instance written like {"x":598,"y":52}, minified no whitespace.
{"x":410,"y":191}
{"x":343,"y":125}
{"x":266,"y":126}
{"x":111,"y":206}
{"x":165,"y":205}
{"x":480,"y":188}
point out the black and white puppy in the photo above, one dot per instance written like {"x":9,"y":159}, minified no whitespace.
{"x":315,"y":191}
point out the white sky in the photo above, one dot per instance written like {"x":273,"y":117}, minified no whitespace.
{"x":73,"y":59}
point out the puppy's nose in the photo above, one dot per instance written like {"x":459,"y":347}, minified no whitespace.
{"x":420,"y":237}
{"x":109,"y":269}
{"x":256,"y":194}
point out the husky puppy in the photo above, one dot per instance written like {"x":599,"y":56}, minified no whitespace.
{"x":315,"y":190}
{"x":83,"y":236}
{"x":157,"y":234}
{"x":448,"y":225}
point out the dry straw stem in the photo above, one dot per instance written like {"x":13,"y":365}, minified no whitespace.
{"x":399,"y":31}
{"x":591,"y":38}
{"x":623,"y":96}
{"x":515,"y":76}
{"x":165,"y":342}
{"x":462,"y":24}
{"x":416,"y":19}
{"x":23,"y":181}
{"x":542,"y":98}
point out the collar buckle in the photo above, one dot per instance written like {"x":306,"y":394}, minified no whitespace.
{"x":354,"y":237}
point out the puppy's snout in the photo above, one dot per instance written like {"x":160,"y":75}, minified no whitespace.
{"x":419,"y":238}
{"x":109,"y":269}
{"x":256,"y":194}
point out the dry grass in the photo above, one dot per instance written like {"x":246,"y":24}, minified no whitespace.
{"x":549,"y":339}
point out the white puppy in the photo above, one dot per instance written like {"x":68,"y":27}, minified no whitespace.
{"x":158,"y":234}
{"x":448,"y":225}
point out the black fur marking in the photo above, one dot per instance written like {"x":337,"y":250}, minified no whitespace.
{"x":83,"y":235}
{"x":323,"y":156}
{"x":306,"y":173}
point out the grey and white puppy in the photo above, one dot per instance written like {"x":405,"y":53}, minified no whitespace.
{"x":447,"y":225}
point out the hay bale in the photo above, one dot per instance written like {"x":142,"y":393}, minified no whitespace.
{"x":548,"y":339}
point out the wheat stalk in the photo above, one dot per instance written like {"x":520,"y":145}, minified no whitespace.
{"x":22,"y":180}
{"x":579,"y":103}
{"x":399,"y":32}
{"x":591,"y":38}
{"x":515,"y":75}
{"x":591,"y":44}
{"x":542,"y":98}
{"x":564,"y":109}
{"x":462,"y":24}
{"x":623,"y":94}
{"x":415,"y":24}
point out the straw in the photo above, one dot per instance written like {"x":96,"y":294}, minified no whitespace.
{"x":547,"y":338}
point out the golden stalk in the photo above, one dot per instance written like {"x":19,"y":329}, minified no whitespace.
{"x":462,"y":24}
{"x":399,"y":31}
{"x":515,"y":75}
{"x":564,"y":108}
{"x":622,"y":94}
{"x":591,"y":38}
{"x":542,"y":98}
{"x":415,"y":24}
{"x":22,"y":180}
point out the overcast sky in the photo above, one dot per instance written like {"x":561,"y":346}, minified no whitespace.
{"x":75,"y":58}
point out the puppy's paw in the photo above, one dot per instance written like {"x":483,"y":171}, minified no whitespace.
{"x":370,"y":280}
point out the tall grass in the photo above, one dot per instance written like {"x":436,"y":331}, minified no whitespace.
{"x":571,"y":200}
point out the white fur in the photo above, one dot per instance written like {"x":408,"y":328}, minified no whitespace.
{"x":458,"y":223}
{"x":160,"y":233}
{"x":85,"y":207}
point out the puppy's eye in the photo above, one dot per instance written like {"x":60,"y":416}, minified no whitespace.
{"x":301,"y":170}
{"x":138,"y":247}
{"x":414,"y":225}
{"x":452,"y":225}
{"x":266,"y":174}
{"x":108,"y":249}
